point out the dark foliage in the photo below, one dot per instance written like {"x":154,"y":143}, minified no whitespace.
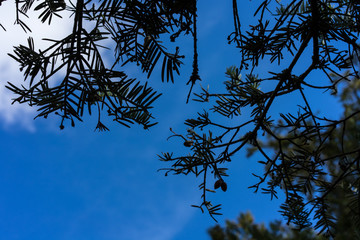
{"x":246,"y":228}
{"x":321,"y":38}
{"x":135,"y":27}
{"x":322,"y":34}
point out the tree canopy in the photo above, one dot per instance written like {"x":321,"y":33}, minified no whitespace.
{"x":341,"y":209}
{"x":135,"y":28}
{"x":245,"y":228}
{"x":311,"y":44}
{"x":301,"y":39}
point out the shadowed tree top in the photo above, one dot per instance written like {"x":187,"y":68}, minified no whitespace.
{"x":245,"y":228}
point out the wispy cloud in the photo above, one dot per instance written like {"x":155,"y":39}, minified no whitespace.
{"x":158,"y":224}
{"x":139,"y":212}
{"x":21,"y":115}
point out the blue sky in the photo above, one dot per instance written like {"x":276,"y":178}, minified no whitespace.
{"x":79,"y":184}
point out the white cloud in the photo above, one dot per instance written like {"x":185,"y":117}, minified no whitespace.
{"x":21,"y":114}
